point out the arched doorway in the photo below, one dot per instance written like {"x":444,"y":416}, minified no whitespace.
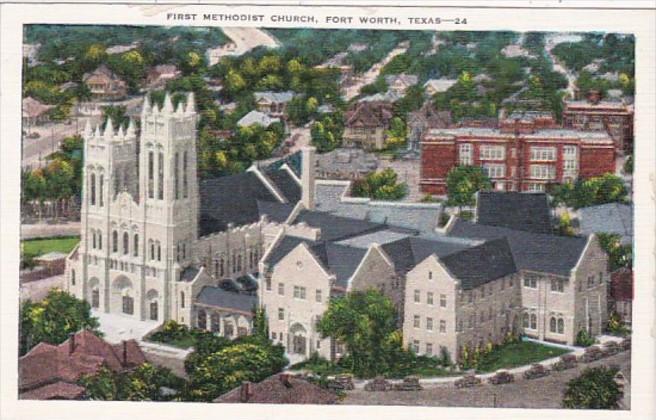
{"x":94,"y":293}
{"x":122,"y":298}
{"x":298,"y":337}
{"x":152,"y":297}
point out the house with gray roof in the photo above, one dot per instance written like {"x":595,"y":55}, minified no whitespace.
{"x":257,"y":118}
{"x":273,"y":104}
{"x":514,"y":210}
{"x":614,"y":218}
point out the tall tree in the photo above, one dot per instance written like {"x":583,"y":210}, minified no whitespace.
{"x":595,"y":388}
{"x":463,"y":182}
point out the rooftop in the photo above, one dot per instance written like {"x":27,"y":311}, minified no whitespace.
{"x":521,"y":211}
{"x":220,"y":298}
{"x":279,"y":389}
{"x":608,"y":218}
{"x":258,"y":118}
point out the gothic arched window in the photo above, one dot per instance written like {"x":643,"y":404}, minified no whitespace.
{"x":534,"y":322}
{"x":114,"y":241}
{"x":126,"y":243}
{"x":552,"y":325}
{"x":92,"y":184}
{"x":160,"y":176}
{"x":101,"y":188}
{"x":184,"y":174}
{"x":135,"y":249}
{"x":561,"y":326}
{"x":99,"y":240}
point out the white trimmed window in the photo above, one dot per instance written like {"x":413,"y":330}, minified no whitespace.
{"x":299,"y":292}
{"x":417,"y":296}
{"x":443,"y":301}
{"x":416,"y":321}
{"x":494,"y":170}
{"x":442,"y":326}
{"x":429,"y":349}
{"x":429,"y":298}
{"x":429,"y":324}
{"x":543,"y":172}
{"x":557,"y":285}
{"x":465,"y":154}
{"x":533,"y":187}
{"x":531,"y":281}
{"x":489,"y":152}
{"x":570,"y":162}
{"x":281,"y":289}
{"x":543,"y":154}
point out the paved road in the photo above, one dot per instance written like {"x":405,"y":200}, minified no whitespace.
{"x":370,"y":76}
{"x":537,"y":393}
{"x":245,"y":39}
{"x":44,"y":230}
{"x":550,"y":42}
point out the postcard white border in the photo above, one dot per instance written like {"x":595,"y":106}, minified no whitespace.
{"x":638,"y":22}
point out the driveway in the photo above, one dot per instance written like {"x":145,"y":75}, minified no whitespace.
{"x":546,"y":392}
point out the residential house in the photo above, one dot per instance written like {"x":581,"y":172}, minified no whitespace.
{"x":345,"y":163}
{"x":273,"y":104}
{"x":51,"y":372}
{"x":105,"y":84}
{"x":365,"y":125}
{"x":159,"y":75}
{"x":281,"y":388}
{"x":257,"y":118}
{"x":434,"y":86}
{"x":35,"y":112}
{"x":399,"y":83}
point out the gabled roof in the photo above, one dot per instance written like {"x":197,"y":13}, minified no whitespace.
{"x":481,"y":264}
{"x":276,"y":97}
{"x":220,"y":298}
{"x":284,"y":183}
{"x":230,"y":199}
{"x":34,"y":108}
{"x":280,"y":389}
{"x":83,"y":354}
{"x":59,"y":390}
{"x":531,"y":251}
{"x":515,"y":210}
{"x":339,"y":260}
{"x":408,"y":252}
{"x":275,"y":212}
{"x":370,"y":114}
{"x":256,"y":118}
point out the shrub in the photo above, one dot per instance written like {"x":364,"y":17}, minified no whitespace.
{"x":584,"y":339}
{"x":595,"y":388}
{"x":502,"y":377}
{"x":616,"y":327}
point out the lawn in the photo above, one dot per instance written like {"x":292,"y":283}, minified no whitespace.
{"x":181,"y":343}
{"x":517,"y":354}
{"x":38,"y":247}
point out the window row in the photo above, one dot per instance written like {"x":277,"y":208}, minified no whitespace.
{"x":223,"y":266}
{"x":543,"y":154}
{"x":96,"y":189}
{"x":494,"y":170}
{"x":125,"y":243}
{"x":543,"y":172}
{"x":429,"y":298}
{"x":429,"y":323}
{"x":488,"y":152}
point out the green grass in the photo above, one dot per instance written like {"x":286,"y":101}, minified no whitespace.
{"x":182,"y":343}
{"x":517,"y":354}
{"x":38,"y":247}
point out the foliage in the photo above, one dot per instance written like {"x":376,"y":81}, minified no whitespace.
{"x":366,"y":323}
{"x":584,"y":339}
{"x":463,"y":182}
{"x":565,"y":227}
{"x":326,"y":134}
{"x":175,"y":334}
{"x":619,"y":256}
{"x":628,"y":165}
{"x":144,"y":383}
{"x":382,"y":185}
{"x":53,"y":319}
{"x":595,"y":388}
{"x":221,"y":371}
{"x":615,"y":326}
{"x":117,"y":114}
{"x":607,"y":188}
{"x":260,"y":324}
{"x":397,"y":135}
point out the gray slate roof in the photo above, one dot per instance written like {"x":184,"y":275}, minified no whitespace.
{"x":188,"y":274}
{"x":416,"y":216}
{"x":514,"y":210}
{"x":609,"y":218}
{"x":257,"y":118}
{"x":277,"y":97}
{"x":531,"y":251}
{"x":408,"y":252}
{"x":216,"y":296}
{"x":284,"y":182}
{"x":335,"y":228}
{"x":481,"y":264}
{"x":339,"y":260}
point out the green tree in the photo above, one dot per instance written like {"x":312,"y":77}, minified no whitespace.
{"x":619,"y":256}
{"x":260,"y":323}
{"x":463,"y":182}
{"x":366,"y":323}
{"x":53,"y":319}
{"x":397,"y":135}
{"x":595,"y":388}
{"x":221,"y":371}
{"x":381,"y":185}
{"x":326,"y":134}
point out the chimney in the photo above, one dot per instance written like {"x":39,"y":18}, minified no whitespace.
{"x":246,"y":391}
{"x":307,"y":177}
{"x":125,"y":353}
{"x":284,"y":378}
{"x":71,"y":343}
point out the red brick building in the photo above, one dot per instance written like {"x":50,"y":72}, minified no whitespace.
{"x":525,"y":153}
{"x":614,"y":117}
